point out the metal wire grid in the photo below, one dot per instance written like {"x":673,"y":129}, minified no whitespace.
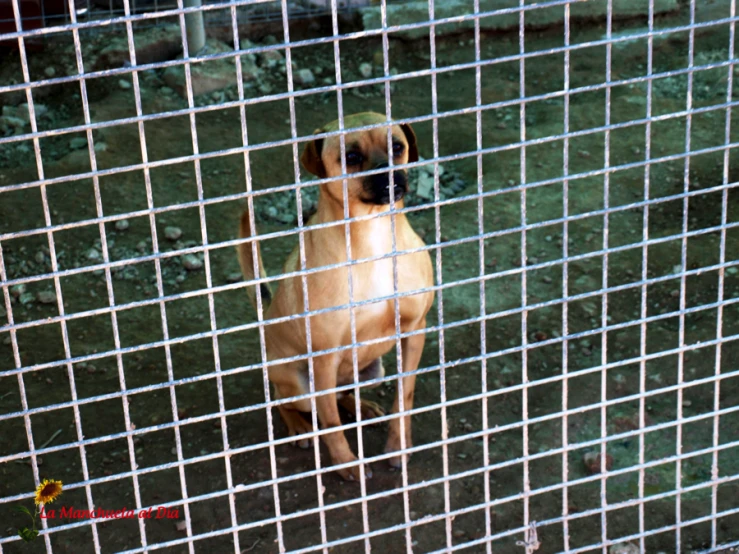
{"x":89,"y":11}
{"x":157,"y":257}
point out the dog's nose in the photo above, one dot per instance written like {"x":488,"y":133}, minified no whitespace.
{"x":381,"y":181}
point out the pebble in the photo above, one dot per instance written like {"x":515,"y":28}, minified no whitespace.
{"x":305,"y":77}
{"x":623,"y":548}
{"x":121,"y":225}
{"x":40,"y":257}
{"x":93,"y":255}
{"x":234,"y":277}
{"x":172,"y":233}
{"x":77,"y":143}
{"x":26,"y":298}
{"x":124,"y":84}
{"x":461,"y":455}
{"x":166,"y":91}
{"x":191,"y":262}
{"x":100,"y":147}
{"x":50,"y":71}
{"x":17,"y":290}
{"x":46,"y":297}
{"x":592,"y":462}
{"x":365,"y":70}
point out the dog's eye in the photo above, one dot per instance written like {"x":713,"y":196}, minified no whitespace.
{"x":353,"y":158}
{"x":398,"y":148}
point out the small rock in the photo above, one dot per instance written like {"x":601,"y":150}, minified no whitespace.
{"x":425,"y":187}
{"x":46,"y":297}
{"x":6,"y":340}
{"x":365,"y":70}
{"x":166,"y":91}
{"x":93,"y":255}
{"x":592,"y":462}
{"x":181,"y":526}
{"x":687,"y":403}
{"x":124,"y":84}
{"x":50,"y":72}
{"x":40,"y":257}
{"x":461,"y":455}
{"x":172,"y":233}
{"x":121,"y":225}
{"x":459,"y":533}
{"x":77,"y":143}
{"x":17,"y":290}
{"x":271,"y":211}
{"x":100,"y":147}
{"x":270,"y":58}
{"x":234,"y":277}
{"x":26,"y":298}
{"x":305,"y":77}
{"x":733,"y":270}
{"x":191,"y":262}
{"x":623,"y":548}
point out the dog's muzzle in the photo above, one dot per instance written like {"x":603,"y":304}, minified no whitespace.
{"x":377,"y":187}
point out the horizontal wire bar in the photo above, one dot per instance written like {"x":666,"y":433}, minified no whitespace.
{"x":423,"y":521}
{"x":462,"y":111}
{"x":415,"y":449}
{"x":428,"y":247}
{"x":353,"y":84}
{"x":472,"y":280}
{"x":514,"y":311}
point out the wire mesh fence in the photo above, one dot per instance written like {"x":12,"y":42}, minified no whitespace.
{"x":573,"y":213}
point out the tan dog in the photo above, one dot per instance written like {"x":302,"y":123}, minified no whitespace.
{"x":365,"y":150}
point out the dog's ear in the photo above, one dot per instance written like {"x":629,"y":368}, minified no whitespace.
{"x":311,"y":157}
{"x":410,"y":136}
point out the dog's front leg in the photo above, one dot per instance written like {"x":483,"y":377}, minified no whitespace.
{"x":411,"y":350}
{"x":325,"y":368}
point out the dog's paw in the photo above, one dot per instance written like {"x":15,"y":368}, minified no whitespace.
{"x":371,"y":410}
{"x":393,"y":445}
{"x":353,"y":473}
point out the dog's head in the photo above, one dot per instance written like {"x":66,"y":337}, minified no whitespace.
{"x":365,"y":151}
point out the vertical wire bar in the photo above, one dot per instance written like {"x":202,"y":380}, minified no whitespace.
{"x":524,"y":276}
{"x":396,"y":301}
{"x":55,"y":268}
{"x":565,"y":285}
{"x":154,"y":240}
{"x":22,"y":386}
{"x":440,"y":280}
{"x":721,"y":276}
{"x":3,"y":275}
{"x":303,"y":267}
{"x":199,"y":186}
{"x":349,"y":259}
{"x":106,"y":260}
{"x":258,"y":290}
{"x":644,"y":277}
{"x":683,"y":263}
{"x":604,"y":285}
{"x":483,"y":303}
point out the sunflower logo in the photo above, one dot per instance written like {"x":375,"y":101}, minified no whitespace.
{"x":47,"y":491}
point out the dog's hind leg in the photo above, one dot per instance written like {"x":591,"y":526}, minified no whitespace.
{"x":368,"y":408}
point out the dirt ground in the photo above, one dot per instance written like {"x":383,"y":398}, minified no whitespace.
{"x":191,"y":355}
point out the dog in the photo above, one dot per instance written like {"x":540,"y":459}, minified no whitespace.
{"x":371,"y":238}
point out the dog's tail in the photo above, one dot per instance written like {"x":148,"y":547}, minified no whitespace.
{"x":246,"y":261}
